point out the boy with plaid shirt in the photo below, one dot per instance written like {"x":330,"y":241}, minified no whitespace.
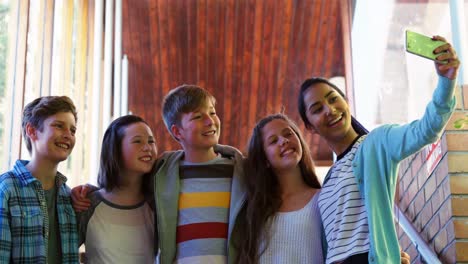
{"x":37,"y":221}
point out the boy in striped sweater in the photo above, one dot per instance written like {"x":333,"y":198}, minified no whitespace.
{"x":197,"y":190}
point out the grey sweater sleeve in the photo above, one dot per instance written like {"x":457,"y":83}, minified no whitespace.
{"x":83,"y":217}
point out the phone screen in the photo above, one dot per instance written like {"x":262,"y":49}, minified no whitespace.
{"x":422,"y":45}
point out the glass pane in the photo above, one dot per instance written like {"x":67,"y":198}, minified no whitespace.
{"x":5,"y":22}
{"x":34,"y":52}
{"x":391,"y":85}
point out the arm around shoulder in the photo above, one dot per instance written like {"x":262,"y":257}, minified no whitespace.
{"x":84,"y":216}
{"x":79,"y":196}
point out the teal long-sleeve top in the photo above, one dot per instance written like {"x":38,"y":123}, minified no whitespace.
{"x":376,"y":164}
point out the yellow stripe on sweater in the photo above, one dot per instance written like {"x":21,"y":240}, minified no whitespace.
{"x":204,"y":199}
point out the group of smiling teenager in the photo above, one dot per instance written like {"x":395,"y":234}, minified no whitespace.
{"x":212,"y":205}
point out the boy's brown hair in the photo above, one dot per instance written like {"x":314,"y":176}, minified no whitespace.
{"x":40,"y":109}
{"x":181,"y":100}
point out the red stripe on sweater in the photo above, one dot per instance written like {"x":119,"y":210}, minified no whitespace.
{"x":201,"y":230}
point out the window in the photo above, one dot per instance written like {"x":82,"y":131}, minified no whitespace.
{"x":46,"y":48}
{"x":391,"y":85}
{"x":5,"y":16}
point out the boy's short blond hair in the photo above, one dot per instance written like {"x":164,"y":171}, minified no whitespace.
{"x":181,"y":100}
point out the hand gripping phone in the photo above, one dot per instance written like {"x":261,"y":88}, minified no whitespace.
{"x":422,"y":45}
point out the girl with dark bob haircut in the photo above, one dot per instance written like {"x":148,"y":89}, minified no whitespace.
{"x":124,"y":203}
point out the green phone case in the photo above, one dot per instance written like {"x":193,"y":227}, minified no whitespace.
{"x":422,"y":45}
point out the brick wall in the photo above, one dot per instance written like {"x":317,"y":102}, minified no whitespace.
{"x":425,"y":200}
{"x":433,"y":192}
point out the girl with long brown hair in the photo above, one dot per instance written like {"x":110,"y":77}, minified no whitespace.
{"x":279,"y":220}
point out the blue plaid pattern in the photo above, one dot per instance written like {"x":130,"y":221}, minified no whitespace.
{"x":24,"y":223}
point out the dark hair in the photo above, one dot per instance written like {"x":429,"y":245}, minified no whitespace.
{"x":111,"y":155}
{"x":42,"y":108}
{"x":358,"y":127}
{"x":263,"y":191}
{"x":183,"y":99}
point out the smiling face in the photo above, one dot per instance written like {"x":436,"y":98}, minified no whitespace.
{"x":56,"y":139}
{"x":281,"y":145}
{"x":138,"y":149}
{"x":328,"y":114}
{"x":198,"y":130}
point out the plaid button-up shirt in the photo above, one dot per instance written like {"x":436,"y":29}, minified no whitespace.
{"x":24,"y":222}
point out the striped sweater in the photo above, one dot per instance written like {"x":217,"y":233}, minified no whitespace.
{"x":203,"y":211}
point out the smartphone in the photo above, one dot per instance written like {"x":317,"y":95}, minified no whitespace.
{"x":422,"y":45}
